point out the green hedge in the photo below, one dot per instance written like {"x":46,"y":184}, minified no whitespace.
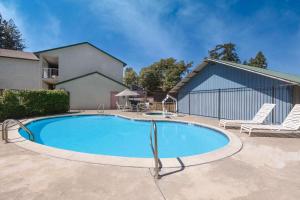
{"x":28,"y":103}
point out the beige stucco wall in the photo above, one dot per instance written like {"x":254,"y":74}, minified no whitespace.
{"x":89,"y":91}
{"x":82,"y":59}
{"x":19,"y":74}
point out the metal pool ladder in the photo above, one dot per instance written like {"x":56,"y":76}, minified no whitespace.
{"x":154,"y":148}
{"x":5,"y":132}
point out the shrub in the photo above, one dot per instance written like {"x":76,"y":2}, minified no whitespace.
{"x":1,"y":111}
{"x":11,"y":107}
{"x":27,"y":103}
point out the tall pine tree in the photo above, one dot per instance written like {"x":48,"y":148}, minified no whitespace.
{"x":259,"y":61}
{"x":10,"y":36}
{"x":226,"y":52}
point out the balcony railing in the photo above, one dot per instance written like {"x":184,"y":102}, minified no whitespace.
{"x":50,"y":73}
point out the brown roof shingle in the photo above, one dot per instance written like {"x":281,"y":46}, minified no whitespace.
{"x":7,"y":53}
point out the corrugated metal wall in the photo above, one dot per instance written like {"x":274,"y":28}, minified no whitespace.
{"x":211,"y":94}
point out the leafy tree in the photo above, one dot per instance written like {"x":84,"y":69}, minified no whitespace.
{"x":150,"y":79}
{"x":10,"y":36}
{"x":163,"y":75}
{"x":226,"y":52}
{"x":174,"y":71}
{"x":259,"y":61}
{"x":130,"y":77}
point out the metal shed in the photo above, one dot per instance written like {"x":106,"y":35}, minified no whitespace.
{"x":227,"y":90}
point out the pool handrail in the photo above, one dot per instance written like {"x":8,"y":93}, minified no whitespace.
{"x":154,"y":148}
{"x":5,"y":132}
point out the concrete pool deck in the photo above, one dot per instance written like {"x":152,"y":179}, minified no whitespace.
{"x":265,"y":168}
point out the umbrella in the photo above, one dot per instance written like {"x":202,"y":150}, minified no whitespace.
{"x":126,"y":93}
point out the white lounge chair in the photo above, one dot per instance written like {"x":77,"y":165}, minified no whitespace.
{"x":259,"y":118}
{"x":290,"y":124}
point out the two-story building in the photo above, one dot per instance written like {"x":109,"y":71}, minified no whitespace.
{"x":91,"y":75}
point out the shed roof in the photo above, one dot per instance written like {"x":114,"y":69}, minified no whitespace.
{"x":7,"y":53}
{"x":289,"y":78}
{"x":81,"y":43}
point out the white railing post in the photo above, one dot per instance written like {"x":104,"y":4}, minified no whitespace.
{"x":49,"y":72}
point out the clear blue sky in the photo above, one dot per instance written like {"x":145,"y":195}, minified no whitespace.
{"x":141,"y":32}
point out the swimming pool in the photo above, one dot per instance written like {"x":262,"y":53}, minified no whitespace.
{"x":116,"y":136}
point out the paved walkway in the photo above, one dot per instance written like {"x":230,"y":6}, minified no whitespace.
{"x":266,"y":168}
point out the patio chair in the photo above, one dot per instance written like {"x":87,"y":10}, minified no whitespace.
{"x":259,"y":118}
{"x":132,"y":108}
{"x":290,"y":124}
{"x":119,"y":107}
{"x":127,"y":107}
{"x":143,"y":107}
{"x":147,"y":106}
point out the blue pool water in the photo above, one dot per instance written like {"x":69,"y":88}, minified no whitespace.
{"x":116,"y":136}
